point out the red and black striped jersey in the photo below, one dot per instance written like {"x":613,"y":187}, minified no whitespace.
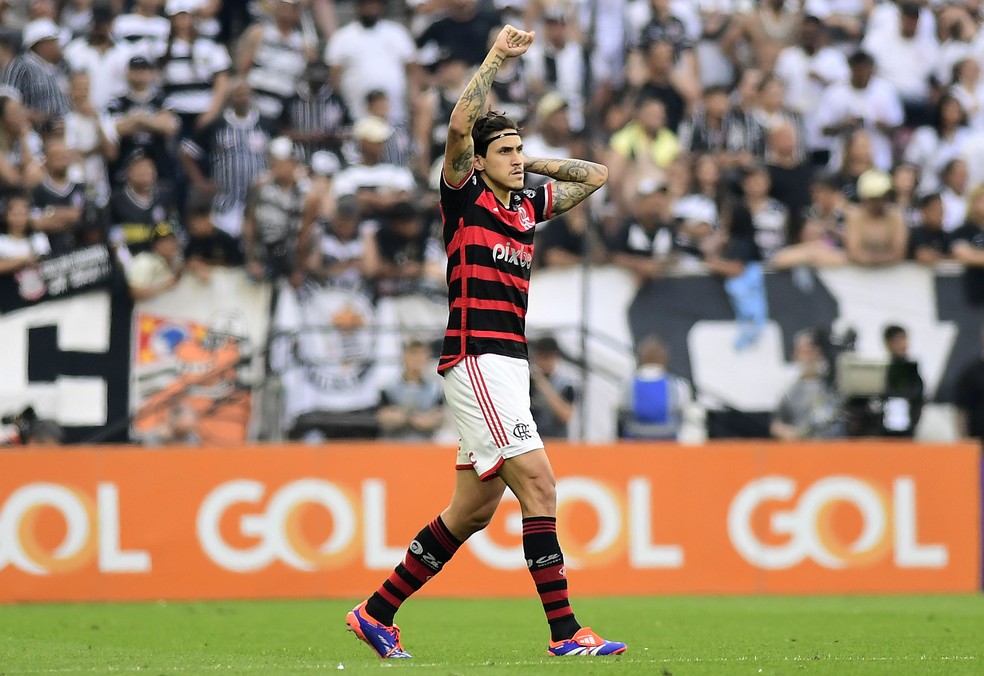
{"x":490,"y":258}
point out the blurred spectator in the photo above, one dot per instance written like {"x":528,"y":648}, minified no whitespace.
{"x":105,"y":61}
{"x":137,"y":207}
{"x":157,"y":270}
{"x":273,"y":217}
{"x":933,"y":145}
{"x":969,"y":399}
{"x":766,"y":30}
{"x":553,"y":137}
{"x":411,"y":408}
{"x":138,"y":122}
{"x":45,"y":432}
{"x":58,"y":200}
{"x":953,"y":191}
{"x":194,"y":70}
{"x":10,"y":40}
{"x":228,"y":156}
{"x":903,"y":402}
{"x":208,"y":246}
{"x":874,"y":234}
{"x":377,"y":185}
{"x":769,"y":216}
{"x":644,"y":242}
{"x":398,"y":149}
{"x":905,"y":183}
{"x":810,"y":409}
{"x":967,"y":247}
{"x":433,"y":110}
{"x":20,"y":245}
{"x":820,"y":242}
{"x":77,"y":17}
{"x":144,"y":29}
{"x":556,"y":62}
{"x":464,"y":31}
{"x":337,"y":259}
{"x":789,"y":174}
{"x":703,"y":132}
{"x":320,"y":201}
{"x":315,"y":118}
{"x":640,"y":150}
{"x":744,"y":133}
{"x":85,"y":138}
{"x":697,"y":232}
{"x":905,"y":58}
{"x":180,"y":429}
{"x":21,"y":153}
{"x":400,"y":255}
{"x":857,"y":158}
{"x":654,"y":402}
{"x":553,"y":389}
{"x":928,"y":242}
{"x":968,"y":88}
{"x":37,"y":75}
{"x":807,"y":69}
{"x":770,"y":110}
{"x":510,"y":93}
{"x":568,"y":239}
{"x":865,"y":102}
{"x":272,"y":57}
{"x":667,"y":84}
{"x":374,"y":53}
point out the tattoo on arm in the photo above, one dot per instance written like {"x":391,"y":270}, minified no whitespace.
{"x":576,"y":179}
{"x":568,"y":195}
{"x":459,"y":150}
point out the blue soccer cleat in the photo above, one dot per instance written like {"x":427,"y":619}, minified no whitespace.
{"x":585,"y":642}
{"x":384,"y":640}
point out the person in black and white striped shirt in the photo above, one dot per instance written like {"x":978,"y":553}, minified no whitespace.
{"x":194,"y":70}
{"x":43,"y":87}
{"x":317,"y":117}
{"x":144,"y":28}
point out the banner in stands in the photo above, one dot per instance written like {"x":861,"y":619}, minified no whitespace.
{"x":127,"y":523}
{"x":198,"y":346}
{"x":64,"y":327}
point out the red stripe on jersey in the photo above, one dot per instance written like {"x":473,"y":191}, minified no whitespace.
{"x":492,"y":275}
{"x":548,"y":212}
{"x":454,"y":186}
{"x":500,"y":335}
{"x":482,"y":304}
{"x":521,"y":219}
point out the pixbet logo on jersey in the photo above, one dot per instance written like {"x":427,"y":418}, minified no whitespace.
{"x":90,"y":530}
{"x":810,"y":524}
{"x":521,"y":257}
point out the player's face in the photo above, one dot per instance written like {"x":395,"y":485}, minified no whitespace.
{"x":503,"y":162}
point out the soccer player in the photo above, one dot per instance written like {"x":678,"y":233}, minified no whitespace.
{"x":488,"y":233}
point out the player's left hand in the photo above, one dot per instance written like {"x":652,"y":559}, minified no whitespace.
{"x":513,"y":42}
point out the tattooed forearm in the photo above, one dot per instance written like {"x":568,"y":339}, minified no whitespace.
{"x":472,"y":102}
{"x":567,"y":195}
{"x":576,"y":179}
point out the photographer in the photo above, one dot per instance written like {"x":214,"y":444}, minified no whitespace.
{"x":810,"y":408}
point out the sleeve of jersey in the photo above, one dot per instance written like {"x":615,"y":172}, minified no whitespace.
{"x":543,"y":202}
{"x":454,"y":198}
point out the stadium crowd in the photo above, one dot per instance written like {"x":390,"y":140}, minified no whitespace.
{"x":302,"y":141}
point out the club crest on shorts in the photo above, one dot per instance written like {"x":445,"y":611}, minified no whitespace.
{"x":522,"y":431}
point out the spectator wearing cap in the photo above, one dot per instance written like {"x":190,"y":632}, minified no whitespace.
{"x":967,"y":247}
{"x":337,"y":259}
{"x":864,"y":102}
{"x":272,"y":57}
{"x":194,"y":70}
{"x":554,"y":389}
{"x":905,"y":59}
{"x":644,"y":242}
{"x":144,"y":29}
{"x":315,"y":118}
{"x":377,"y":184}
{"x":208,"y":246}
{"x":399,"y":148}
{"x":807,"y":69}
{"x":372,"y":52}
{"x":36,"y":74}
{"x":138,"y":122}
{"x":105,"y":60}
{"x":928,"y":242}
{"x":642,"y":148}
{"x":556,"y":62}
{"x":20,"y":245}
{"x":58,"y":201}
{"x":21,"y":155}
{"x":227,"y":157}
{"x":874,"y":232}
{"x":158,"y":269}
{"x":136,"y":207}
{"x":271,"y":226}
{"x":87,"y":141}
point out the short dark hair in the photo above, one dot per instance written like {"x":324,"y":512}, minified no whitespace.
{"x":893,"y":331}
{"x":927,"y":199}
{"x":546,"y":345}
{"x":488,"y":125}
{"x":859,"y":58}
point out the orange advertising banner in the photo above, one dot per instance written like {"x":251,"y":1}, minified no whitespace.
{"x":296,"y":521}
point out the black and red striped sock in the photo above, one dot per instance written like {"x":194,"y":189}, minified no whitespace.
{"x":546,"y":564}
{"x":430,"y":550}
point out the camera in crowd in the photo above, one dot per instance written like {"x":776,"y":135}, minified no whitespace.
{"x":25,"y":427}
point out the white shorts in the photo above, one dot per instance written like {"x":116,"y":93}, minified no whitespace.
{"x":489,"y":398}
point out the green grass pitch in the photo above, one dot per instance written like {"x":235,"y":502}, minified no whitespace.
{"x":666,"y":636}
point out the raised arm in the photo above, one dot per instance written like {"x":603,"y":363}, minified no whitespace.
{"x":574,"y":180}
{"x":459,"y":150}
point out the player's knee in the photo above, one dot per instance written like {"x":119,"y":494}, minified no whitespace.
{"x":481,"y":518}
{"x":540,"y":495}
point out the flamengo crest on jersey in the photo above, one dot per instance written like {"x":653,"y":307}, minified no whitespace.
{"x":490,"y":259}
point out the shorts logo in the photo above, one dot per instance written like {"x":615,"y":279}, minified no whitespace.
{"x":522,"y":431}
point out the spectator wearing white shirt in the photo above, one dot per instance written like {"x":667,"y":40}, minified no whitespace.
{"x":905,"y":58}
{"x":19,"y":246}
{"x":85,"y":137}
{"x":932,"y":146}
{"x":865,"y":102}
{"x":377,"y":185}
{"x":953,"y":192}
{"x":968,"y":88}
{"x":373,"y":53}
{"x":807,"y":69}
{"x":144,"y":28}
{"x":102,"y":58}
